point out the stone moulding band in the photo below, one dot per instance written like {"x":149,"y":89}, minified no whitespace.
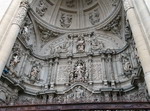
{"x":81,"y":106}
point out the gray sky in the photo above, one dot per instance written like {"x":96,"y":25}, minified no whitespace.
{"x":3,"y":7}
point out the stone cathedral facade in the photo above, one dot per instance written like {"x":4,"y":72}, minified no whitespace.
{"x":73,"y":51}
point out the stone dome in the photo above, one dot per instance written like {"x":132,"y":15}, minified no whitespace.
{"x":75,"y":14}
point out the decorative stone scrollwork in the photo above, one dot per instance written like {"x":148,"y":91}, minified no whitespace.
{"x":94,"y":17}
{"x":41,"y":9}
{"x":79,"y":72}
{"x":65,"y":20}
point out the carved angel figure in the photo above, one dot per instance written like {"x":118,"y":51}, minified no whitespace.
{"x":15,"y":60}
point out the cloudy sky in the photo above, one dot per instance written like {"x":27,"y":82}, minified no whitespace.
{"x":3,"y":7}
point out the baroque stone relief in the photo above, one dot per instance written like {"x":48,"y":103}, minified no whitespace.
{"x":114,"y":26}
{"x":66,"y":20}
{"x":94,"y":17}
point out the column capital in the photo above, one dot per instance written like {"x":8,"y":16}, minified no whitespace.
{"x":22,"y":11}
{"x":127,"y":4}
{"x":24,"y":3}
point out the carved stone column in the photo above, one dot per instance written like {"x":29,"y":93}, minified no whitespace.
{"x":10,"y":38}
{"x":110,"y":70}
{"x":141,"y":44}
{"x":90,"y":69}
{"x":54,"y":74}
{"x":49,"y":71}
{"x":104,"y":69}
{"x":69,"y":70}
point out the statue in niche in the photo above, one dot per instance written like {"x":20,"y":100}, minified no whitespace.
{"x":70,"y":3}
{"x":94,"y":17}
{"x":97,"y":45}
{"x":65,"y":20}
{"x":80,"y":44}
{"x":34,"y":74}
{"x":79,"y":73}
{"x":15,"y":60}
{"x":126,"y":63}
{"x":41,"y":9}
{"x":88,"y":2}
{"x":16,"y":56}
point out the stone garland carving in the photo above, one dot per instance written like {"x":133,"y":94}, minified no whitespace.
{"x":41,"y":8}
{"x":113,"y":26}
{"x":70,"y":3}
{"x":65,"y":20}
{"x":80,"y":44}
{"x":94,"y":17}
{"x":79,"y":72}
{"x":89,"y":2}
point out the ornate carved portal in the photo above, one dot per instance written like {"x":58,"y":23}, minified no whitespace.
{"x":52,"y":65}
